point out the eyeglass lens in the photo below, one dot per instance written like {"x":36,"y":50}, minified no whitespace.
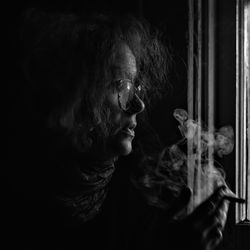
{"x":126,"y":94}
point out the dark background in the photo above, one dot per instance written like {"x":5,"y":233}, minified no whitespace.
{"x":171,"y":17}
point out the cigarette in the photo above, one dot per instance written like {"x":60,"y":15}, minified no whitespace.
{"x":229,"y":195}
{"x":234,"y":199}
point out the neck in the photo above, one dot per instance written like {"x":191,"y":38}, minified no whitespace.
{"x":101,"y":154}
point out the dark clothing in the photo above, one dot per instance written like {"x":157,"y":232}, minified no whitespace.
{"x":125,"y":221}
{"x":46,"y":184}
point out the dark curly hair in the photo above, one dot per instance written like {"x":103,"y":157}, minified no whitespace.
{"x":66,"y":63}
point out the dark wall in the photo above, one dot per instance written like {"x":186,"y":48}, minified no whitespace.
{"x":172,"y":20}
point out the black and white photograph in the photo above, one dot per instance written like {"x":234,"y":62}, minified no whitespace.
{"x":128,"y":125}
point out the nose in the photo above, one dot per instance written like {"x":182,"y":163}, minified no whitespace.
{"x":137,"y":105}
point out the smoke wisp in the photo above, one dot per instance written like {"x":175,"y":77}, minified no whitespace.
{"x":188,"y":162}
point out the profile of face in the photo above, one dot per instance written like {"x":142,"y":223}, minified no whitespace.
{"x":123,"y":122}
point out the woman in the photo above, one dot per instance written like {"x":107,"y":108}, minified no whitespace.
{"x":86,"y":82}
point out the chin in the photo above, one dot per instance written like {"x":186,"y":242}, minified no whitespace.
{"x":125,"y":147}
{"x":122,"y":147}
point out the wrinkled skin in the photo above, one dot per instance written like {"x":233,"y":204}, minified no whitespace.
{"x":119,"y":142}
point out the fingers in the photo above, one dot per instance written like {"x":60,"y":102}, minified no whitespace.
{"x":215,"y":223}
{"x":216,"y":218}
{"x":209,"y":206}
{"x":212,"y":229}
{"x":221,"y":212}
{"x":214,"y":236}
{"x":209,"y":219}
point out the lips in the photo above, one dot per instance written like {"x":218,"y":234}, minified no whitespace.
{"x":129,"y":132}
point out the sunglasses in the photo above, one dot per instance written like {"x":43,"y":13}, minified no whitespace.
{"x":127,"y":90}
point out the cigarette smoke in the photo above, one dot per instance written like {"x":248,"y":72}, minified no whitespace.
{"x":163,"y":176}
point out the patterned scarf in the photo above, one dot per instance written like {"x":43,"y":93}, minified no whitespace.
{"x":88,"y":189}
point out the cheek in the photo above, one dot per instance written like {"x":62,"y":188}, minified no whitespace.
{"x":118,"y":143}
{"x":115,"y":113}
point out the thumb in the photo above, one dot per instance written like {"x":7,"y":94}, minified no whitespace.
{"x":181,"y":202}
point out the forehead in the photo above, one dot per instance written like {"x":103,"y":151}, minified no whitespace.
{"x":124,"y":63}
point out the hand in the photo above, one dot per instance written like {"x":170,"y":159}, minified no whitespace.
{"x":202,"y":230}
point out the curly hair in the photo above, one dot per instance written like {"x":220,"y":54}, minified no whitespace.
{"x":66,"y":61}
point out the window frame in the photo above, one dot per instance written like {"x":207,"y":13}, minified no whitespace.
{"x":242,"y":171}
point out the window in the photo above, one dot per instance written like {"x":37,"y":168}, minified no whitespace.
{"x":217,"y":29}
{"x":243,"y":110}
{"x":201,"y":81}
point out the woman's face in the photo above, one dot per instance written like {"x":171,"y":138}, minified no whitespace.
{"x":123,"y":124}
